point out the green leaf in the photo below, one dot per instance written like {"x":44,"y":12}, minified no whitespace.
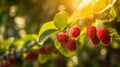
{"x":46,"y":31}
{"x":61,"y":19}
{"x":28,"y":44}
{"x":62,"y":49}
{"x":46,"y":35}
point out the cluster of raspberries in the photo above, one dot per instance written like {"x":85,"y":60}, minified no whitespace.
{"x":9,"y":62}
{"x":30,"y":56}
{"x":97,"y":35}
{"x":70,"y":43}
{"x":43,"y":50}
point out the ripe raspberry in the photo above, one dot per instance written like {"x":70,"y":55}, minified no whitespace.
{"x":32,"y":56}
{"x":12,"y":59}
{"x":6,"y":63}
{"x":106,"y":40}
{"x":42,"y":50}
{"x":71,"y":45}
{"x":47,"y":48}
{"x":74,"y":32}
{"x":103,"y":36}
{"x":101,"y":33}
{"x":62,"y":37}
{"x":95,"y":41}
{"x":91,"y":32}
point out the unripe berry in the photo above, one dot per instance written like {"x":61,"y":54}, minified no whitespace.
{"x":71,"y":45}
{"x":6,"y":63}
{"x":91,"y":31}
{"x":47,"y":48}
{"x":62,"y":37}
{"x":74,"y":31}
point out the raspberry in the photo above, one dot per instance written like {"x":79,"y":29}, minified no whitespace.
{"x":91,"y":32}
{"x":47,"y":48}
{"x":74,"y":32}
{"x":12,"y":59}
{"x":62,"y":37}
{"x":103,"y":36}
{"x":6,"y":63}
{"x":42,"y":50}
{"x":106,"y":40}
{"x":100,"y":33}
{"x":71,"y":45}
{"x":32,"y":56}
{"x":95,"y":41}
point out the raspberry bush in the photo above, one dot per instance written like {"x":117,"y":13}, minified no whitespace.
{"x":91,"y":31}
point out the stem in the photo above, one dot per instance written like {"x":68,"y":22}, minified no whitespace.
{"x":107,"y":60}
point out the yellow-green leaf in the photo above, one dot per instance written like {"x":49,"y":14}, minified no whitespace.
{"x":61,"y":19}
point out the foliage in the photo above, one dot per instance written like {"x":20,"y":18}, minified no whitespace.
{"x":88,"y":13}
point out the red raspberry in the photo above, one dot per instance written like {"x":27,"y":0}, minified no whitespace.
{"x":42,"y":50}
{"x":74,"y":32}
{"x":71,"y":45}
{"x":95,"y":41}
{"x":101,"y":33}
{"x":12,"y":59}
{"x":62,"y":37}
{"x":47,"y":48}
{"x":106,"y":40}
{"x":32,"y":56}
{"x":103,"y":36}
{"x":6,"y":63}
{"x":91,"y":32}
